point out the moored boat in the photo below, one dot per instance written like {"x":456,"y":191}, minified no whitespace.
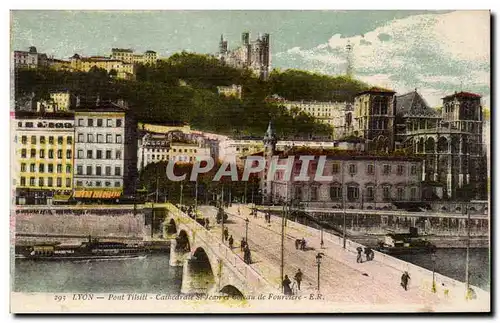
{"x":93,"y":249}
{"x":405,"y":243}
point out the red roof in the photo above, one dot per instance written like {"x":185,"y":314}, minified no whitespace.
{"x":463,"y":95}
{"x":376,"y":89}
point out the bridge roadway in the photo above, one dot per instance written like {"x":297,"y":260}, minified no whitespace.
{"x":342,"y":280}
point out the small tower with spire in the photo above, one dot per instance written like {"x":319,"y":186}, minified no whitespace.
{"x":349,"y":69}
{"x":270,"y":141}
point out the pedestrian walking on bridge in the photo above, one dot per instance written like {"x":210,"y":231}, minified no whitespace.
{"x":243,"y":243}
{"x":231,"y":241}
{"x":248,"y":255}
{"x":286,"y":286}
{"x":298,"y":278}
{"x":226,"y":234}
{"x":404,"y":280}
{"x":359,"y":259}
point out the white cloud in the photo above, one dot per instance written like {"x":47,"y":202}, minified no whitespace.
{"x":436,"y":53}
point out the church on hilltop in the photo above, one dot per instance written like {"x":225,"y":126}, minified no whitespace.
{"x":254,"y":55}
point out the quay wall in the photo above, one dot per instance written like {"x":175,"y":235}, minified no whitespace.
{"x":125,"y":225}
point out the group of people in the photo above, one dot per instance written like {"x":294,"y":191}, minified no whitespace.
{"x":300,"y":244}
{"x":287,"y":288}
{"x":368,"y":253}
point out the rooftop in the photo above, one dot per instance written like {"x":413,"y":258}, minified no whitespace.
{"x":462,"y":95}
{"x":102,"y":106}
{"x":343,"y":154}
{"x":44,"y":115}
{"x":127,"y":50}
{"x":376,"y":89}
{"x":413,"y":104}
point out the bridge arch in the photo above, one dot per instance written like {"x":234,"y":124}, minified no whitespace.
{"x":232,"y":291}
{"x":183,"y":244}
{"x":201,"y":271}
{"x":171,"y":227}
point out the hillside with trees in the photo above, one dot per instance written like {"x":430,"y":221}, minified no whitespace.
{"x":183,"y":88}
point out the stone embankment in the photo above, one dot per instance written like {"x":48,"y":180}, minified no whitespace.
{"x":71,"y":228}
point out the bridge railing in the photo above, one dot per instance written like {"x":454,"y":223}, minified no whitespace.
{"x":247,"y":273}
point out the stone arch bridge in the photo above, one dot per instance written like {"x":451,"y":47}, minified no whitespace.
{"x":209,"y":266}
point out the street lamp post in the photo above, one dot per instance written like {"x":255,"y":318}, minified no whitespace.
{"x":245,"y":194}
{"x":467,"y":295}
{"x":322,"y":242}
{"x":246,"y":230}
{"x":282,"y":268}
{"x":318,"y":262}
{"x":433,"y":257}
{"x":343,"y":228}
{"x":196,"y":199}
{"x":180,"y":202}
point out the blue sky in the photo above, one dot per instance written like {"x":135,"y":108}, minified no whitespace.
{"x":436,"y":52}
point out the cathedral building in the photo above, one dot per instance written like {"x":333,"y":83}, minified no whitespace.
{"x":254,"y":55}
{"x":450,"y":142}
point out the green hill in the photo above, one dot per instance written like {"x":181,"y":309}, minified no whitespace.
{"x":183,"y":88}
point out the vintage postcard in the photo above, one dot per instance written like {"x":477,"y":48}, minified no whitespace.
{"x":250,"y":161}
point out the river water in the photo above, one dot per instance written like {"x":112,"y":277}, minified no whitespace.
{"x":153,"y":274}
{"x":451,"y":263}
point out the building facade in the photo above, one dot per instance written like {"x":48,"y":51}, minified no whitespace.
{"x":335,"y":114}
{"x":157,"y":147}
{"x":253,"y":55}
{"x":59,"y":102}
{"x":106,"y":150}
{"x":43,"y":158}
{"x":230,"y":91}
{"x":373,"y":118}
{"x":29,"y":59}
{"x":122,"y":69}
{"x":450,"y":142}
{"x":128,"y":56}
{"x":357,"y":182}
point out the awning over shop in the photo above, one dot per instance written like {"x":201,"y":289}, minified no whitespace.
{"x":97,"y":194}
{"x":61,"y":198}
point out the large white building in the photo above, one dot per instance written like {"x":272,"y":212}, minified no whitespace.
{"x":335,"y":114}
{"x":157,"y":147}
{"x":105,"y":148}
{"x":59,"y":101}
{"x":29,"y":59}
{"x":128,"y":56}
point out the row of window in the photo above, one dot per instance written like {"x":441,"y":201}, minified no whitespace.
{"x":41,"y":168}
{"x":178,"y":150}
{"x":175,"y":158}
{"x":60,"y":140}
{"x":99,"y":122}
{"x":99,"y":154}
{"x":58,"y":125}
{"x":98,"y":184}
{"x":100,"y":138}
{"x":48,"y":183}
{"x":370,"y":169}
{"x":50,"y":153}
{"x":99,"y":171}
{"x":353,"y":193}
